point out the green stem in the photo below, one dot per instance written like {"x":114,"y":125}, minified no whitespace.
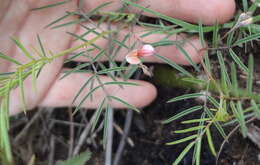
{"x":169,"y":77}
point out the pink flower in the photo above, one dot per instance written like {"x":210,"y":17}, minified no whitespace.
{"x":146,"y":50}
{"x":134,"y":56}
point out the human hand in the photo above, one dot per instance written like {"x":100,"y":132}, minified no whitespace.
{"x":17,"y":19}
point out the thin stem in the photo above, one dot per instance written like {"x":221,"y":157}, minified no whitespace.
{"x":108,"y":156}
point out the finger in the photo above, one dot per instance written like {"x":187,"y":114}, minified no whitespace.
{"x":192,"y":45}
{"x":207,"y":11}
{"x":63,"y":92}
{"x":52,"y":40}
{"x":12,"y":16}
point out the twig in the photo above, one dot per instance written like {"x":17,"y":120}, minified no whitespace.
{"x":52,"y":151}
{"x":25,"y":129}
{"x":127,"y":127}
{"x":229,"y":135}
{"x":63,"y":122}
{"x":108,"y":156}
{"x":71,"y":132}
{"x":83,"y":136}
{"x":121,"y":146}
{"x":121,"y":132}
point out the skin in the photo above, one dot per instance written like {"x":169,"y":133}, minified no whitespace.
{"x":16,"y":19}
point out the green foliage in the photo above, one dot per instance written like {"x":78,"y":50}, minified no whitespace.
{"x":12,"y":80}
{"x":80,"y":159}
{"x":226,"y":99}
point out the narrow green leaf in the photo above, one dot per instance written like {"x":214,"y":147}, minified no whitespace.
{"x":34,"y":77}
{"x":234,"y":79}
{"x":51,"y":5}
{"x":186,"y":96}
{"x":121,"y":83}
{"x":6,"y":74}
{"x":187,"y":56}
{"x":183,"y":24}
{"x":201,"y":34}
{"x":109,"y":74}
{"x":4,"y":128}
{"x":114,"y":69}
{"x":86,"y":97}
{"x":121,"y":44}
{"x":197,"y":151}
{"x":216,"y":123}
{"x":210,"y":142}
{"x":59,"y":19}
{"x":254,"y":6}
{"x":238,"y":61}
{"x":239,"y":114}
{"x":23,"y":49}
{"x":124,"y":102}
{"x":22,"y":95}
{"x":163,"y":42}
{"x":183,"y":113}
{"x":41,"y":46}
{"x":82,"y":88}
{"x":97,"y":9}
{"x":73,"y":22}
{"x":194,"y":80}
{"x":256,"y":109}
{"x":76,"y":69}
{"x":195,"y":121}
{"x":36,"y":51}
{"x":183,"y":153}
{"x":215,"y":38}
{"x":174,"y":65}
{"x":190,"y":129}
{"x":250,"y":76}
{"x":247,"y":39}
{"x":245,"y":5}
{"x":241,"y":119}
{"x":81,"y":37}
{"x":98,"y":113}
{"x":131,"y":72}
{"x":182,"y":140}
{"x":80,"y":159}
{"x":89,"y":42}
{"x":224,"y":75}
{"x":74,"y":56}
{"x":97,"y":33}
{"x":230,"y":38}
{"x":10,"y":59}
{"x":207,"y":62}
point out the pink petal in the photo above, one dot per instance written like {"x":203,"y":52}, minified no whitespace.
{"x":132,"y":59}
{"x":146,"y":50}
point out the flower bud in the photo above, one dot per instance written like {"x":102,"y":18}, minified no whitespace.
{"x":146,"y":50}
{"x":246,"y":22}
{"x":245,"y":19}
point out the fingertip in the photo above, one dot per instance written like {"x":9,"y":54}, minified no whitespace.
{"x":138,"y":96}
{"x":148,"y":93}
{"x":218,"y":11}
